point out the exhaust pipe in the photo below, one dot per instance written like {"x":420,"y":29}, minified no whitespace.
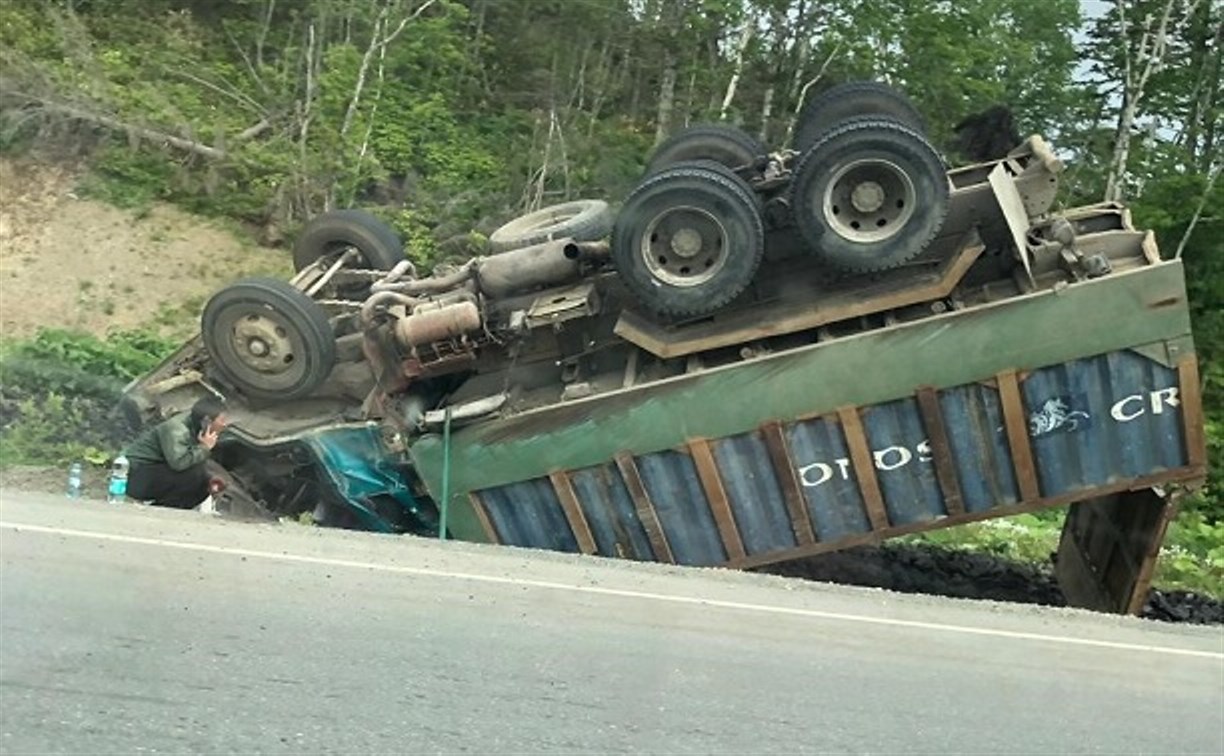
{"x":536,"y":266}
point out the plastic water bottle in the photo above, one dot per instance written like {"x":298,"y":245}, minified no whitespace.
{"x":74,"y":481}
{"x":116,"y":489}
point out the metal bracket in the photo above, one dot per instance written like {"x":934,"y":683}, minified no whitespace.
{"x":559,"y":306}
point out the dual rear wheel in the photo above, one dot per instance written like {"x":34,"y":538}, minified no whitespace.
{"x":868,"y":192}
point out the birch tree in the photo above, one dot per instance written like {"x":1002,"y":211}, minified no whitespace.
{"x":1144,"y":47}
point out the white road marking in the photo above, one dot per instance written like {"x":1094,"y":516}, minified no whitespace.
{"x":622,"y":593}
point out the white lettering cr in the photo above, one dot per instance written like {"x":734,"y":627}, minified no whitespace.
{"x":1162,"y":397}
{"x":1121,"y":414}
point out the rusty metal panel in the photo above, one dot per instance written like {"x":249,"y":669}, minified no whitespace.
{"x":974,"y":416}
{"x":671,"y":480}
{"x":1101,"y":420}
{"x":757,"y":499}
{"x":832,"y":491}
{"x":529,"y":514}
{"x":1108,"y":550}
{"x":573,"y":512}
{"x":898,"y":441}
{"x":940,"y":450}
{"x":716,"y":497}
{"x":609,"y":510}
{"x":645,"y":508}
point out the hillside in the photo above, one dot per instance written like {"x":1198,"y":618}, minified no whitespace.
{"x":72,"y":262}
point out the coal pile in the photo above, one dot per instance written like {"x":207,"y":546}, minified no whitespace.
{"x":915,"y":568}
{"x":1183,"y":606}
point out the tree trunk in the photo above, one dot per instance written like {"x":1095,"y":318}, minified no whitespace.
{"x":667,"y":96}
{"x":1210,"y":101}
{"x":766,"y":111}
{"x":1114,"y":184}
{"x":1139,"y":65}
{"x":794,"y":119}
{"x":737,"y":70}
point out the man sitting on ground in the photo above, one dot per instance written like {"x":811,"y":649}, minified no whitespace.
{"x":167,"y":460}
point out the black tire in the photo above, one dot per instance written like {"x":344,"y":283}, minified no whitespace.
{"x":726,"y":145}
{"x":828,"y":110}
{"x":580,"y":220}
{"x":717,"y":211}
{"x":268,"y":339}
{"x":729,"y":174}
{"x":869,"y":196}
{"x":332,"y":231}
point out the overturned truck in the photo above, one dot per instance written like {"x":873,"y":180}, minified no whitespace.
{"x":764,"y":355}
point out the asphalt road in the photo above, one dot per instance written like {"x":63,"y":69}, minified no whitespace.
{"x":124,"y":629}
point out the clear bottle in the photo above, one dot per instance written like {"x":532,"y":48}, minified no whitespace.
{"x":74,"y":481}
{"x":116,"y":489}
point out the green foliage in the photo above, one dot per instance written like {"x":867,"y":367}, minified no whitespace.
{"x":52,"y":429}
{"x":1028,"y":538}
{"x":123,"y":354}
{"x":1192,"y":557}
{"x":58,"y":388}
{"x":125,"y":178}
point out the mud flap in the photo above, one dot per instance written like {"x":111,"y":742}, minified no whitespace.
{"x":1109,"y":548}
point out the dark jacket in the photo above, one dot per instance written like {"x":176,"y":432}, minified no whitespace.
{"x":170,"y":442}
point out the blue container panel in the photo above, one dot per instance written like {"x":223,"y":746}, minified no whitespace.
{"x":973,"y":417}
{"x":1103,"y":420}
{"x":529,"y":514}
{"x":671,"y":482}
{"x":902,"y":458}
{"x":756,"y":498}
{"x":1092,"y":422}
{"x":609,"y":512}
{"x":818,"y":450}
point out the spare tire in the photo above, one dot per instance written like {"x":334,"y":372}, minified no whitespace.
{"x":580,"y":220}
{"x":688,"y":240}
{"x":831,"y":108}
{"x":333,"y":231}
{"x":727,"y":145}
{"x":870,"y":195}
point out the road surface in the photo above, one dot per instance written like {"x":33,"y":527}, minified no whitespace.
{"x":127,"y":629}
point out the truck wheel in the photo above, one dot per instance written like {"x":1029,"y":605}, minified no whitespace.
{"x":831,"y":108}
{"x":870,"y":195}
{"x":330,"y":233}
{"x":581,"y":220}
{"x":727,"y":145}
{"x":688,"y":240}
{"x":268,"y":338}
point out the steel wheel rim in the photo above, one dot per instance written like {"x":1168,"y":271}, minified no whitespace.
{"x":868,"y":201}
{"x":261,"y":347}
{"x":684,"y":246}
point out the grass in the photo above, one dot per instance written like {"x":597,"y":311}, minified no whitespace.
{"x":1191,"y":559}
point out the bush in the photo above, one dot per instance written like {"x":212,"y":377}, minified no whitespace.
{"x":58,"y":388}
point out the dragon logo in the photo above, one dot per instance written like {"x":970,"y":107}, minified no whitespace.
{"x":1056,"y":415}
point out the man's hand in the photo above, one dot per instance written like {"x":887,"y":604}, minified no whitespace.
{"x":208,"y":437}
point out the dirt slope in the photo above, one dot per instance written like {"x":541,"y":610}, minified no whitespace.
{"x":72,"y":262}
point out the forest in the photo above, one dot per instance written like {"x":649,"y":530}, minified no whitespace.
{"x":448,"y":117}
